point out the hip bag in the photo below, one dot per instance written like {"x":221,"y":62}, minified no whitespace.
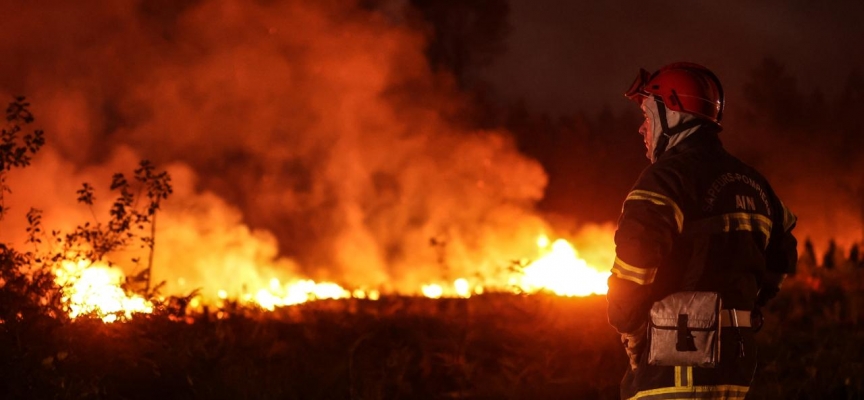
{"x":684,"y":330}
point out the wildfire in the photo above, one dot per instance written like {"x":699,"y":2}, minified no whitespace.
{"x":92,"y":288}
{"x":95,"y":288}
{"x":561,"y":271}
{"x":460,"y":288}
{"x":278,"y":295}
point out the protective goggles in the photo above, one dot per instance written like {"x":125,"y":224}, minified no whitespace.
{"x":637,"y":89}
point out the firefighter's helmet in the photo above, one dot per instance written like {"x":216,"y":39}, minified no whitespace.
{"x":683,"y":87}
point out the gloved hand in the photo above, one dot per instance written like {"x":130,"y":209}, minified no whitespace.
{"x":634,"y":343}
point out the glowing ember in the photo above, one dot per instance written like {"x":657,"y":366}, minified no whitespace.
{"x":95,"y":289}
{"x":463,"y":289}
{"x":363,"y":294}
{"x":561,"y":271}
{"x":459,"y":288}
{"x":433,"y":290}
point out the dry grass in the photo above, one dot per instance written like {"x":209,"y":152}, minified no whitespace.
{"x":493,"y":346}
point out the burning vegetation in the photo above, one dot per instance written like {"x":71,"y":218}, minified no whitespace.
{"x":97,"y":289}
{"x":317,"y":141}
{"x":100,"y":289}
{"x":317,"y":145}
{"x":90,"y":283}
{"x":327,"y":224}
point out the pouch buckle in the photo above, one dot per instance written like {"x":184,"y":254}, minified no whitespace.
{"x":685,"y":338}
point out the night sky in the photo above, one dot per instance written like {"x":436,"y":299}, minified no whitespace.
{"x":567,"y":55}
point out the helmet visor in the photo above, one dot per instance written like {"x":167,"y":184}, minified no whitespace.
{"x":637,"y":89}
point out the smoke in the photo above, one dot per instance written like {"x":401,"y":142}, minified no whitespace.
{"x":304,"y":139}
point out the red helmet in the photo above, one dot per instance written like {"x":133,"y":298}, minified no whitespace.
{"x":684,"y":87}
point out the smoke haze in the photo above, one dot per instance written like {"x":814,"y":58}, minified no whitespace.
{"x":313,"y":139}
{"x":303,"y":137}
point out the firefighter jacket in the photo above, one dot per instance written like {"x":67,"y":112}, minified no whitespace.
{"x":698,"y":219}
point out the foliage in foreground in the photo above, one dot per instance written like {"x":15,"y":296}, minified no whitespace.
{"x":31,"y":292}
{"x":495,"y":346}
{"x":492,"y":346}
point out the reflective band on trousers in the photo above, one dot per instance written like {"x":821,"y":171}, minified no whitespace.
{"x":695,"y":392}
{"x":684,"y":376}
{"x":660,"y":200}
{"x":642,"y":276}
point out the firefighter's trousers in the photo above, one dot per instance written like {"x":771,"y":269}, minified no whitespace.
{"x":729,"y":380}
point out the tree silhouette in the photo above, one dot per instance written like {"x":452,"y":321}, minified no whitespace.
{"x":848,"y":107}
{"x":465,"y":34}
{"x":772,"y":95}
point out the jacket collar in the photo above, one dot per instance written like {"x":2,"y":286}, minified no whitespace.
{"x":704,"y":137}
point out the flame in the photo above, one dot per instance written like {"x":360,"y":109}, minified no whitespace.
{"x":432,"y":290}
{"x":278,"y":295}
{"x":460,"y":287}
{"x":363,"y":294}
{"x":463,"y":288}
{"x":561,"y":271}
{"x":94,"y":288}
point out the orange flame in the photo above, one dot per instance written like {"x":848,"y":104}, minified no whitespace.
{"x":95,"y":288}
{"x":278,"y":295}
{"x":90,"y":288}
{"x":561,"y":271}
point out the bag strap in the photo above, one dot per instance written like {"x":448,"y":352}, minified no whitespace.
{"x":685,"y":340}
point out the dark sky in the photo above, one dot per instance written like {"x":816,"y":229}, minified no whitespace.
{"x":564,"y":55}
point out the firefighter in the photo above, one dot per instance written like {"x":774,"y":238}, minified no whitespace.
{"x":697,"y":219}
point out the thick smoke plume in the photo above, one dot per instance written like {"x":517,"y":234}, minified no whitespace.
{"x":304,"y":139}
